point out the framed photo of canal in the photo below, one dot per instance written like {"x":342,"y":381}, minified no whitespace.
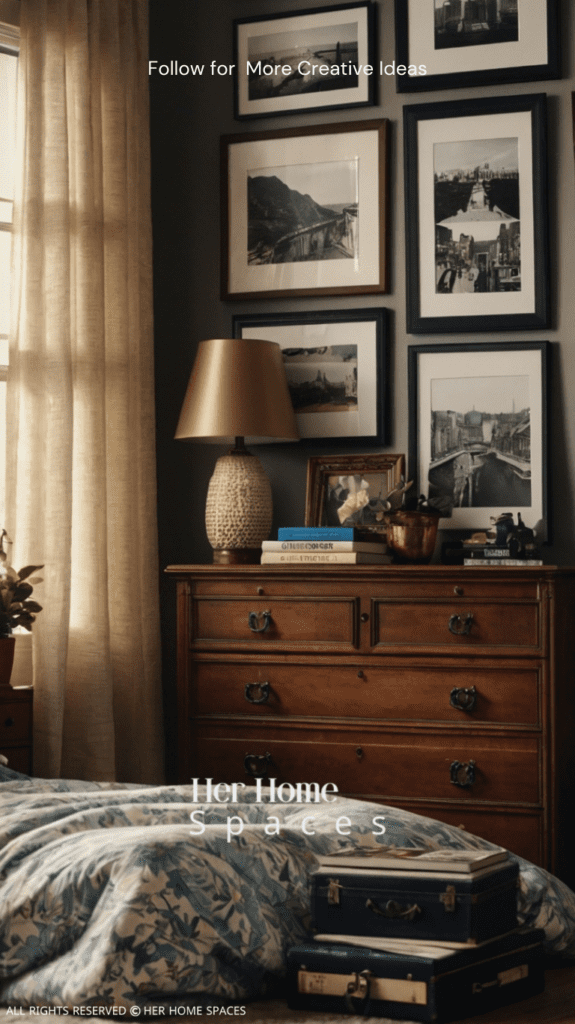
{"x":307,"y":61}
{"x":304,"y":211}
{"x":471,"y":43}
{"x":476,"y":215}
{"x":478,"y":430}
{"x":335,"y":363}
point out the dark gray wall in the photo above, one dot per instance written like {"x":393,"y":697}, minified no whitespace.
{"x":187,"y":117}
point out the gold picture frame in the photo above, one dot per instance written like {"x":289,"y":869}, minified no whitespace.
{"x":352,"y":490}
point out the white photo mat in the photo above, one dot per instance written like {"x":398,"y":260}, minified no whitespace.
{"x":302,"y":24}
{"x":461,"y":129}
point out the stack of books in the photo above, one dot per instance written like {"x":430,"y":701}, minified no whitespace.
{"x":490,"y":554}
{"x":323,"y":545}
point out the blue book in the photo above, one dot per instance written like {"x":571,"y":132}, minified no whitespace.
{"x":318,"y":533}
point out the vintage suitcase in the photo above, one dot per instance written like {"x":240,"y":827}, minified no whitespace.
{"x":438,"y":986}
{"x":408,"y":900}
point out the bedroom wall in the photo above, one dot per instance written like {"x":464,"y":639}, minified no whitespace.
{"x":187,"y":117}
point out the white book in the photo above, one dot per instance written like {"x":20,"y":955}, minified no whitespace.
{"x":502,"y":562}
{"x":376,"y":547}
{"x":324,"y":558}
{"x":446,"y":860}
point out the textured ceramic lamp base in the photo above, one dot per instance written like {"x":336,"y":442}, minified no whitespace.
{"x":238,"y":508}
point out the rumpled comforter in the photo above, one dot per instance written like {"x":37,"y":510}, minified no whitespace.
{"x":106,"y":897}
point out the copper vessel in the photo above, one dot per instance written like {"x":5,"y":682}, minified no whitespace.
{"x":412,"y":536}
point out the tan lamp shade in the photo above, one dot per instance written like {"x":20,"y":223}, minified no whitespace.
{"x":238,"y":389}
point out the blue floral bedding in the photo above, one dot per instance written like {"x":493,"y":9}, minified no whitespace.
{"x":107,"y":898}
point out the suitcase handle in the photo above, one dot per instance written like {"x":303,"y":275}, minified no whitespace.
{"x":358,"y":988}
{"x":394,"y":910}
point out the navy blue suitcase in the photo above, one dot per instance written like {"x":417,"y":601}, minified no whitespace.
{"x":467,"y":908}
{"x":332,"y":978}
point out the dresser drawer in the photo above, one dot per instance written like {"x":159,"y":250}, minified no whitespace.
{"x":370,"y":763}
{"x":473,"y":625}
{"x":517,"y":831}
{"x":462,"y":693}
{"x":15,"y":723}
{"x":316,"y":622}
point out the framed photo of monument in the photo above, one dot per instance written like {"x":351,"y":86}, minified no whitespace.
{"x":478,"y":430}
{"x":471,"y":43}
{"x":476,"y":215}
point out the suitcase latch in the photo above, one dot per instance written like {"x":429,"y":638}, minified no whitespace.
{"x":358,"y":988}
{"x":333,"y":892}
{"x":449,"y":899}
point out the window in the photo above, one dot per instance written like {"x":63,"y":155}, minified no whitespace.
{"x":8,"y":81}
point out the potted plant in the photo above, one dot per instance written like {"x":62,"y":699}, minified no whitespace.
{"x":16,"y":606}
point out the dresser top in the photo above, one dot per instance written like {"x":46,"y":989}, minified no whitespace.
{"x":374,"y":572}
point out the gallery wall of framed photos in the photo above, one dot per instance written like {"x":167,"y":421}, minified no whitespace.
{"x":456,"y":232}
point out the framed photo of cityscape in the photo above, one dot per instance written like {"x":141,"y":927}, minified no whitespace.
{"x":476,"y":215}
{"x":305,"y":61}
{"x":304,"y":211}
{"x":336,"y":368}
{"x":470,"y":43}
{"x":352,"y":490}
{"x":478,"y":433}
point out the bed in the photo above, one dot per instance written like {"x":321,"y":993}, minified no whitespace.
{"x":121,"y":895}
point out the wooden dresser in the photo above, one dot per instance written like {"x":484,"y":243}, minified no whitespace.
{"x":445,"y":690}
{"x":16,"y":727}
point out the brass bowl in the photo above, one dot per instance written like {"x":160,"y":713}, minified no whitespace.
{"x":412,"y":536}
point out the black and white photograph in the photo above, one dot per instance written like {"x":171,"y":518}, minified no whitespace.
{"x":306,"y":61}
{"x":478,"y":236}
{"x":303,"y":212}
{"x":478,"y":430}
{"x":336,"y":367}
{"x":472,"y":43}
{"x":475,"y":22}
{"x":477,"y":223}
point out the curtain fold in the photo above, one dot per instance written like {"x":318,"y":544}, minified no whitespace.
{"x":81,"y":495}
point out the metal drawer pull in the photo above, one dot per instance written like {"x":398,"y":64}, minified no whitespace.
{"x":264,"y":689}
{"x":462,"y":775}
{"x":257,"y":765}
{"x":254,"y":618}
{"x":460,"y":626}
{"x":394,"y":910}
{"x":463,"y":698}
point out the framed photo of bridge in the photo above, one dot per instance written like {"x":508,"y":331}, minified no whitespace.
{"x":476,"y":215}
{"x":304,"y":211}
{"x":478,"y":430}
{"x":336,"y":369}
{"x":471,"y":43}
{"x":305,"y":61}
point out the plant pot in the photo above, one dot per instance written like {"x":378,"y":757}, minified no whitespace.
{"x":7,"y":645}
{"x":412,"y":536}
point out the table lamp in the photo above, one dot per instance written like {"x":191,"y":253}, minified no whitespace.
{"x":238,"y":389}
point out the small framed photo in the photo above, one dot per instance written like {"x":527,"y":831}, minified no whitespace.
{"x":476,"y":215}
{"x":478,"y":434}
{"x":304,"y":211}
{"x":352,"y":490}
{"x":471,"y":43}
{"x":306,"y":61}
{"x":336,"y":368}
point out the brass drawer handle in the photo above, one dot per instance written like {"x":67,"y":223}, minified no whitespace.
{"x":462,"y":775}
{"x":255,"y":618}
{"x":463,"y":698}
{"x":264,"y":689}
{"x":460,"y":626}
{"x":394,"y":910}
{"x":257,"y":765}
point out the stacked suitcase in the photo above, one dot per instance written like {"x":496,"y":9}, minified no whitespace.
{"x":423,"y":936}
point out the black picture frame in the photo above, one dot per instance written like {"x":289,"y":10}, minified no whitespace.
{"x":333,"y":179}
{"x":495,"y":150}
{"x":497,"y":408}
{"x":366,"y":419}
{"x":272,"y":95}
{"x":492,"y":56}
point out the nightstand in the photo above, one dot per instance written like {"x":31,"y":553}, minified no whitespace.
{"x":16,"y":727}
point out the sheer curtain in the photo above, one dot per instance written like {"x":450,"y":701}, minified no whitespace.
{"x":80,"y":420}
